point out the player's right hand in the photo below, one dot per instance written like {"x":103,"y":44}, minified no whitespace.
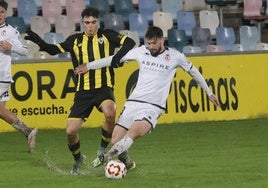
{"x":214,"y":100}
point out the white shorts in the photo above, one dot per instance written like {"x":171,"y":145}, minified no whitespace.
{"x":4,"y":94}
{"x":134,"y":111}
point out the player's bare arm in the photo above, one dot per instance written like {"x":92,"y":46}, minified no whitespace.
{"x":201,"y":81}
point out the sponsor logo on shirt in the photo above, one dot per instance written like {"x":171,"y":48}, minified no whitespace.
{"x":159,"y":67}
{"x":3,"y":33}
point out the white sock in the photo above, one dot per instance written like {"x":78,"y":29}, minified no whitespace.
{"x":122,"y":145}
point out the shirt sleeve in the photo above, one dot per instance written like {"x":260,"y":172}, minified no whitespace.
{"x":187,"y":66}
{"x":114,"y":37}
{"x":68,"y":44}
{"x":183,"y":61}
{"x":18,"y":45}
{"x":104,"y":62}
{"x":131,"y":55}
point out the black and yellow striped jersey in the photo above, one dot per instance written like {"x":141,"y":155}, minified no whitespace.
{"x":84,"y":49}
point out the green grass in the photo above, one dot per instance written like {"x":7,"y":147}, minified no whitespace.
{"x":186,"y":155}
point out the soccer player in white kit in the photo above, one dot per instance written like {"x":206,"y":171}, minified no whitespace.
{"x":157,"y":67}
{"x":10,"y":40}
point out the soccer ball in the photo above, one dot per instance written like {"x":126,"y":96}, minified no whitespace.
{"x":115,"y":170}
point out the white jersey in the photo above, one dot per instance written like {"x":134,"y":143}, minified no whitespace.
{"x":155,"y":74}
{"x":11,"y":35}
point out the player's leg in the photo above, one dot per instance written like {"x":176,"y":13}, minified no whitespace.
{"x":19,"y":125}
{"x":108,"y":107}
{"x":118,"y":133}
{"x":145,"y":118}
{"x":73,"y":126}
{"x":121,"y":146}
{"x":13,"y":120}
{"x":81,"y":109}
{"x":138,"y":129}
{"x":125,"y":158}
{"x":105,"y":102}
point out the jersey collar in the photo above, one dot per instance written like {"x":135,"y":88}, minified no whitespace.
{"x":3,"y":25}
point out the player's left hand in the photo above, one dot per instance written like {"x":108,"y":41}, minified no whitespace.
{"x":81,"y":69}
{"x":214,"y":100}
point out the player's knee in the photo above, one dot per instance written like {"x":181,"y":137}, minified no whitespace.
{"x":114,"y":139}
{"x":71,"y":132}
{"x":110,"y":118}
{"x":72,"y":137}
{"x":112,"y":142}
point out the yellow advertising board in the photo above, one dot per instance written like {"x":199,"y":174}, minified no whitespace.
{"x":42,"y":92}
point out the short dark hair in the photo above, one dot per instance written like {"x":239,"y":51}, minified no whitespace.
{"x":3,"y":4}
{"x":154,"y":32}
{"x":90,"y":11}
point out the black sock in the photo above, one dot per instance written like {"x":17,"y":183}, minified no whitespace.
{"x":105,"y":138}
{"x":75,"y":149}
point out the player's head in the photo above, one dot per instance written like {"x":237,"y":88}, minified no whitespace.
{"x":3,"y":10}
{"x":3,"y":4}
{"x":154,"y":40}
{"x":90,"y":20}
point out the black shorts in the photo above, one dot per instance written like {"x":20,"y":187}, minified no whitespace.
{"x":85,"y":101}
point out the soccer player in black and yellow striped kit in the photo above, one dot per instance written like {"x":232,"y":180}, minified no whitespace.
{"x":95,"y":88}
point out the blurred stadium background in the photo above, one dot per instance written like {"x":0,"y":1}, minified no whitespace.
{"x":131,"y":17}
